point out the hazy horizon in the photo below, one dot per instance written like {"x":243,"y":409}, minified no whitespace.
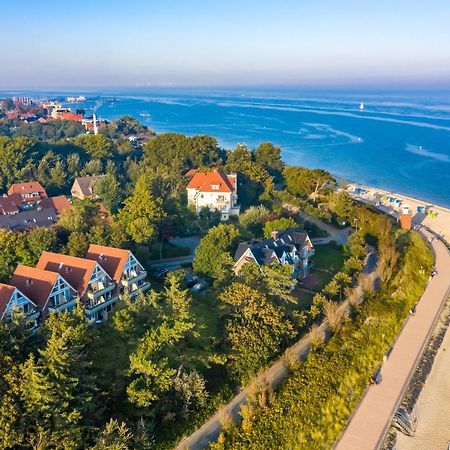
{"x":141,"y":44}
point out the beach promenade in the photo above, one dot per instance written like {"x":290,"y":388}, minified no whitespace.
{"x":371,"y":420}
{"x":437,"y":220}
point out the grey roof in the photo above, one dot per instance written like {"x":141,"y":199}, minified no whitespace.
{"x":87,"y":183}
{"x":32,"y":218}
{"x":264,"y":250}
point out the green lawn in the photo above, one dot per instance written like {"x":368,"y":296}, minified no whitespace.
{"x":329,"y":257}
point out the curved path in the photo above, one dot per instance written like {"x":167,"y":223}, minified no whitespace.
{"x":274,"y":375}
{"x":371,"y":420}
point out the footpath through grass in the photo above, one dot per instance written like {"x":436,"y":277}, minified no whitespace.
{"x":313,"y":405}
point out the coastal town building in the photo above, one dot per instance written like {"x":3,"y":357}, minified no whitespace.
{"x":49,"y":291}
{"x":26,"y":206}
{"x":83,"y":187}
{"x":94,"y":286}
{"x":12,"y":300}
{"x":123,"y":268}
{"x":292,"y":247}
{"x":214,"y":190}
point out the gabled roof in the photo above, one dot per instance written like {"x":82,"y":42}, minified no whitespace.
{"x":87,"y":183}
{"x":59,"y":203}
{"x":269,"y":250}
{"x":25,"y":220}
{"x":10,"y":204}
{"x":27,"y":188}
{"x":35,"y":283}
{"x":77,"y":271}
{"x":204,"y":182}
{"x":6,"y":292}
{"x":111,"y":259}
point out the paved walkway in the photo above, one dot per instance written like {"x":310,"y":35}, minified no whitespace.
{"x":371,"y":420}
{"x":210,"y":431}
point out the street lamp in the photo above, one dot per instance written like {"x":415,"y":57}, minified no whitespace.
{"x":355,"y":221}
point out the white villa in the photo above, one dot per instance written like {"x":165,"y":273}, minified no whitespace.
{"x":214,"y":190}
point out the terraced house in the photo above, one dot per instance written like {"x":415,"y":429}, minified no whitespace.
{"x":49,"y":291}
{"x":122,"y":267}
{"x":94,"y":286}
{"x":12,"y":300}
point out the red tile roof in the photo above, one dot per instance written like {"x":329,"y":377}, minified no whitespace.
{"x":27,"y":188}
{"x":6,"y":292}
{"x":111,"y":259}
{"x":59,"y":203}
{"x":9,"y":204}
{"x":203,"y":182}
{"x":71,"y":116}
{"x":77,"y":271}
{"x":36,"y":284}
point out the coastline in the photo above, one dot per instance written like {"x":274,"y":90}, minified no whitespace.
{"x":433,"y":216}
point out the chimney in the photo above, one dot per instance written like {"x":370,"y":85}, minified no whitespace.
{"x":275,"y":234}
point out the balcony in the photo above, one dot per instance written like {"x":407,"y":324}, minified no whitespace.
{"x":71,"y":304}
{"x":102,"y":290}
{"x":308,"y":254}
{"x":33,"y":316}
{"x":133,"y":278}
{"x":92,"y":308}
{"x":142,"y":288}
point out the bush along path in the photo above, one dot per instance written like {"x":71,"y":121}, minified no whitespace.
{"x":272,"y":377}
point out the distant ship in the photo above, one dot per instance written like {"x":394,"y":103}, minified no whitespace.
{"x":361,"y":106}
{"x":144,"y":114}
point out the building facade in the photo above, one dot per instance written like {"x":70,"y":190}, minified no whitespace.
{"x":214,"y":190}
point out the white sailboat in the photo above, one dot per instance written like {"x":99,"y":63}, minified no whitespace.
{"x":361,"y":106}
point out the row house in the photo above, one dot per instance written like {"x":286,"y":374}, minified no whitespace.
{"x":12,"y":300}
{"x":50,"y":292}
{"x":60,"y":282}
{"x":122,"y":267}
{"x":94,"y":286}
{"x":292,"y":247}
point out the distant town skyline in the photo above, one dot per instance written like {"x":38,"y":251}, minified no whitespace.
{"x":235,"y":43}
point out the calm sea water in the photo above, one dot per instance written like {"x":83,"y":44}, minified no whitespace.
{"x":400,"y":141}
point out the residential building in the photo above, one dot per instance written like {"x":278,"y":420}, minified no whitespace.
{"x":123,"y":268}
{"x":292,"y":247}
{"x":12,"y":299}
{"x":94,"y":286}
{"x":83,"y":187}
{"x":214,"y":190}
{"x":27,"y":206}
{"x":31,"y":192}
{"x":49,"y":291}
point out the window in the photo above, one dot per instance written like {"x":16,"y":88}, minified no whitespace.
{"x":215,"y":187}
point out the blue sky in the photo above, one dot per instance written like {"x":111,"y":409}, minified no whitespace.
{"x":110,"y":43}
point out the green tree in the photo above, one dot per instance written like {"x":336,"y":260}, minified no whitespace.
{"x":141,"y":213}
{"x":212,"y":256}
{"x":281,"y":224}
{"x":97,"y":146}
{"x":268,"y":156}
{"x":309,"y":183}
{"x":254,"y":218}
{"x":109,"y":192}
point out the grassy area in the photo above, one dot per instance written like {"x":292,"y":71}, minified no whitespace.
{"x":329,"y":257}
{"x":324,"y":279}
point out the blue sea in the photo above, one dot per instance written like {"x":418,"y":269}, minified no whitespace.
{"x":399,"y":142}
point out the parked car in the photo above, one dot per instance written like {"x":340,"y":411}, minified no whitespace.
{"x":161,"y":273}
{"x":199,"y":287}
{"x":191,"y":280}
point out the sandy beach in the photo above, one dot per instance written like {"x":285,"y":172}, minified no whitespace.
{"x":435,"y":217}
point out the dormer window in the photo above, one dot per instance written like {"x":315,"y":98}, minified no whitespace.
{"x":215,"y":187}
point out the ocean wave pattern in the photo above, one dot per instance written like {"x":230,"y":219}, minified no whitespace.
{"x":400,"y":141}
